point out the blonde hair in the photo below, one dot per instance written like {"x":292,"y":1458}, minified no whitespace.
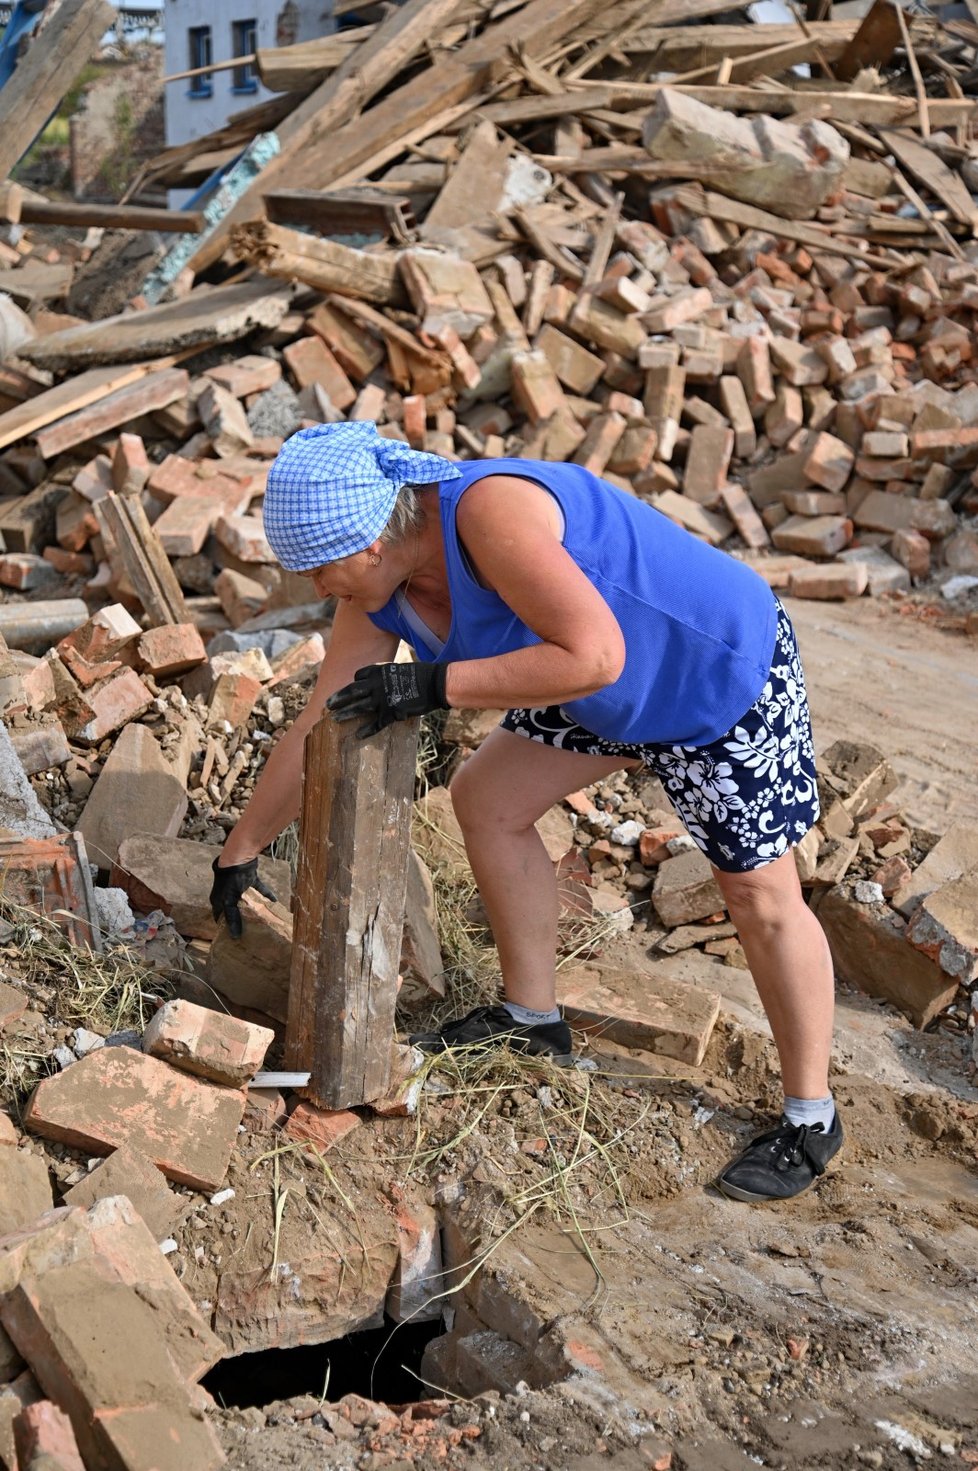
{"x":406,"y":517}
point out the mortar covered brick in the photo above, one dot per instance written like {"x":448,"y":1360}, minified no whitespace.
{"x":208,"y":1044}
{"x":945,"y":927}
{"x":117,"y":1096}
{"x":685,"y":889}
{"x":25,"y":1190}
{"x":869,"y":948}
{"x":172,"y":648}
{"x":128,"y":1172}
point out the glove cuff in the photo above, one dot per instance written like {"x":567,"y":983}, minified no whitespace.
{"x":438,"y":686}
{"x":217,"y":867}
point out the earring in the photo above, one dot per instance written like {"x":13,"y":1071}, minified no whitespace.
{"x":375,"y":559}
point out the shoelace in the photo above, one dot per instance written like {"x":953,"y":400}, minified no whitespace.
{"x":791,"y":1147}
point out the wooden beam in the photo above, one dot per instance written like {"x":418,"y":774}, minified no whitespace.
{"x":150,"y":391}
{"x":874,"y":42}
{"x":749,"y":217}
{"x":325,"y":265}
{"x":355,"y":832}
{"x":63,"y":45}
{"x":930,"y":170}
{"x":111,"y":216}
{"x":131,"y":539}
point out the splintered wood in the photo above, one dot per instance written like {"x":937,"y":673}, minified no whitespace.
{"x":349,"y":909}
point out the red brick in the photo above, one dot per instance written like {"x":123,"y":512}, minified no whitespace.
{"x":130,"y":465}
{"x":652,"y":845}
{"x":117,"y":1096}
{"x":44,"y":1438}
{"x":598,"y":445}
{"x":754,"y":371}
{"x":128,"y":1172}
{"x":241,"y":597}
{"x":828,"y":462}
{"x":73,"y":564}
{"x":245,"y":375}
{"x":310,"y":361}
{"x":265,"y":1110}
{"x":835,"y":582}
{"x":224,"y":421}
{"x":233,"y":699}
{"x":911,"y":550}
{"x":813,"y":536}
{"x":8,"y":1134}
{"x":171,"y":648}
{"x":785,"y":416}
{"x":666,"y":313}
{"x":244,"y":537}
{"x":535,"y":387}
{"x":733,"y":402}
{"x":814,"y":503}
{"x":187,"y":522}
{"x":415,"y":420}
{"x":892,"y":874}
{"x":663,"y":401}
{"x":320,"y":1127}
{"x":118,"y":700}
{"x":208,"y":1044}
{"x":707,"y":464}
{"x":739,"y":507}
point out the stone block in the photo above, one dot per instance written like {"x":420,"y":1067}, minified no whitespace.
{"x":128,"y":1172}
{"x":955,"y":854}
{"x":116,"y":1096}
{"x":8,"y":1134}
{"x":253,"y":972}
{"x":945,"y":927}
{"x":636,"y":1009}
{"x":870,"y":950}
{"x":788,"y":169}
{"x":174,"y":874}
{"x":685,"y":889}
{"x":25,"y":1189}
{"x":137,"y":791}
{"x":207,"y":1044}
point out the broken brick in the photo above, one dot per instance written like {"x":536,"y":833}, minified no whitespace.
{"x":208,"y":1044}
{"x":116,"y":1096}
{"x":320,"y":1127}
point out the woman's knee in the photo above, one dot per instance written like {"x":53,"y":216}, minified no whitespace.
{"x":763,"y":898}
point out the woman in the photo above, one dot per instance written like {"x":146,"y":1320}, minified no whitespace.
{"x":614,"y":639}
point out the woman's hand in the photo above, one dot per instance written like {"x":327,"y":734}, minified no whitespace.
{"x":388,"y":692}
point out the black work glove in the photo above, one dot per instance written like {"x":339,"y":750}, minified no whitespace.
{"x":229,"y":884}
{"x":388,"y":692}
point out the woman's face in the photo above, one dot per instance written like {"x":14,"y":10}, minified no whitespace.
{"x":360,"y":579}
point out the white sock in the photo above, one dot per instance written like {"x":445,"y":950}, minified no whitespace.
{"x":810,"y":1111}
{"x":529,"y":1018}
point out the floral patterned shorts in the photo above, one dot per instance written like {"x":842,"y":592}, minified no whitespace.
{"x":745,"y":798}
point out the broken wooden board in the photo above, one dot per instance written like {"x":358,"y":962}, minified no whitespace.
{"x":718,"y":207}
{"x":149,"y":391}
{"x":211,"y":316}
{"x":133,"y":541}
{"x":61,"y":47}
{"x":344,"y":212}
{"x":37,"y":280}
{"x":873,"y":44}
{"x":931,"y":171}
{"x":354,"y":846}
{"x":34,"y":211}
{"x":53,"y":404}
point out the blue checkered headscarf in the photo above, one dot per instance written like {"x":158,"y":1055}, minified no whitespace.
{"x":332,"y":488}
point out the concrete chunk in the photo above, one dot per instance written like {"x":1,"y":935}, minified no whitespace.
{"x":208,"y":1044}
{"x":116,"y":1096}
{"x":782,"y":167}
{"x":956,"y":853}
{"x":174,"y":874}
{"x":945,"y":927}
{"x":685,"y":889}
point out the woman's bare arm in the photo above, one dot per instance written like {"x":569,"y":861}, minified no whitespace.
{"x":506,"y":525}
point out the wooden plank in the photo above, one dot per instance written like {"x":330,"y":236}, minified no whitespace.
{"x":678,"y":48}
{"x":716,"y":206}
{"x":874,"y":42}
{"x":303,"y":66}
{"x":55,"y":403}
{"x":129,"y":535}
{"x":11,"y":201}
{"x":208,"y":317}
{"x":151,"y":391}
{"x":871,"y":109}
{"x":312,"y":125}
{"x":930,"y":169}
{"x":355,"y":830}
{"x":66,"y":40}
{"x":110,"y":216}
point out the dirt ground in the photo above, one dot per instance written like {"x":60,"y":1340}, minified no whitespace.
{"x":840,"y":1331}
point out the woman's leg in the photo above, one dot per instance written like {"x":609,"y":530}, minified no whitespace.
{"x":498,"y":795}
{"x":789,"y":960}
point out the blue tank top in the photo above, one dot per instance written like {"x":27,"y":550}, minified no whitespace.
{"x":698,"y":626}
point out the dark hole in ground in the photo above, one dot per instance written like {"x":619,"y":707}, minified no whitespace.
{"x":380,"y":1363}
